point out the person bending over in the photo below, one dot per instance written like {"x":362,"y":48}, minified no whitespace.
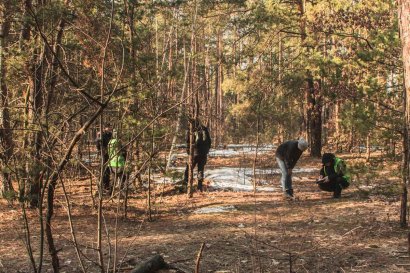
{"x":287,"y":154}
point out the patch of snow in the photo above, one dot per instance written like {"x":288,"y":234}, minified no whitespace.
{"x":215,"y":209}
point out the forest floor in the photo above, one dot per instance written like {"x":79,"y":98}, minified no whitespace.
{"x":241,"y":231}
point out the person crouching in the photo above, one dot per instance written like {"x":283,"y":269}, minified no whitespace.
{"x":333,"y":175}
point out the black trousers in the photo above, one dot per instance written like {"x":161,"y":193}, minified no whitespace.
{"x":335,"y":185}
{"x":106,"y":174}
{"x":199,"y":160}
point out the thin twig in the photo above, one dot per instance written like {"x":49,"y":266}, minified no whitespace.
{"x":72,"y":226}
{"x":198,"y":258}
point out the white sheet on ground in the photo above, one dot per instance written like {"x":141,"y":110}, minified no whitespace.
{"x":215,"y":209}
{"x":236,"y":179}
{"x":236,"y":150}
{"x":240,"y":179}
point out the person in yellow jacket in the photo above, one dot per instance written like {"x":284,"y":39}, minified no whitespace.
{"x":117,"y":157}
{"x":334,"y":176}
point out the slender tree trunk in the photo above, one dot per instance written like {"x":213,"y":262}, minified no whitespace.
{"x":193,"y":106}
{"x":404,"y":23}
{"x":6,"y":138}
{"x":306,"y":113}
{"x":36,"y":108}
{"x":24,"y":37}
{"x":337,"y":127}
{"x":54,"y":179}
{"x":313,"y":105}
{"x":405,"y":174}
{"x":36,"y":70}
{"x":281,"y":121}
{"x":314,"y":117}
{"x":255,"y":159}
{"x":368,"y":148}
{"x":218,"y":91}
{"x":149,"y":209}
{"x":180,"y":113}
{"x":48,"y":99}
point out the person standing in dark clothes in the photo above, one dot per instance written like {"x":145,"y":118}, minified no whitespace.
{"x":333,"y":175}
{"x":102,"y":146}
{"x":202,"y":145}
{"x":287,"y":154}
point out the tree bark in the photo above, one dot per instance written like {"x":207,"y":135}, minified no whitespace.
{"x":368,"y":147}
{"x":35,"y":69}
{"x":313,"y":105}
{"x":404,"y":24}
{"x":302,"y":25}
{"x":218,"y":91}
{"x":314,"y":117}
{"x":6,"y":134}
{"x":193,"y":106}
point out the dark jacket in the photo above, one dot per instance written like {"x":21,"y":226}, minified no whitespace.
{"x":337,"y":169}
{"x":289,"y":153}
{"x":202,"y":141}
{"x":329,"y":171}
{"x":103,"y":141}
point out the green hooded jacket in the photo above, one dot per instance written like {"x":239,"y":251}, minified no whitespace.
{"x":114,"y":151}
{"x":340,"y":168}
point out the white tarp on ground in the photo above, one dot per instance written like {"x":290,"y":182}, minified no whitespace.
{"x":215,"y":209}
{"x":233,"y":150}
{"x":240,"y":179}
{"x":236,"y":179}
{"x":240,"y":149}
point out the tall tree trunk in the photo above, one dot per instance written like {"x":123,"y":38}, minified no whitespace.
{"x":36,"y":70}
{"x":24,"y":37}
{"x":302,"y":25}
{"x":49,"y":98}
{"x":337,"y":126}
{"x":220,"y":80}
{"x":314,"y":117}
{"x":281,"y":134}
{"x":180,"y":114}
{"x":194,"y":104}
{"x":6,"y":138}
{"x":313,"y":106}
{"x":404,"y":19}
{"x":36,"y":108}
